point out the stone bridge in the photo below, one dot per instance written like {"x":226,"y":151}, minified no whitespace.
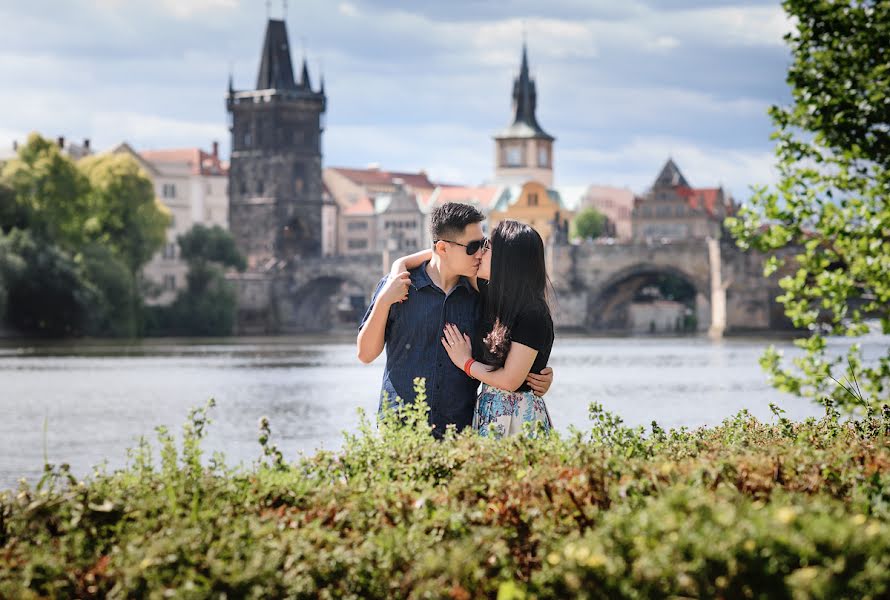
{"x":309,"y":295}
{"x":595,"y":285}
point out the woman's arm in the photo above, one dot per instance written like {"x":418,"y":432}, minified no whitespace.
{"x":372,"y":336}
{"x":519,"y":361}
{"x":412,"y":261}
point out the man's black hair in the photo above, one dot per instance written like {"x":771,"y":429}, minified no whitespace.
{"x":450,"y":219}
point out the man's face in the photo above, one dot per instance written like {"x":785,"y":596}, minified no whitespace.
{"x":456,"y":257}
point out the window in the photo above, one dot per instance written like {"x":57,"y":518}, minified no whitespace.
{"x":533,"y":199}
{"x":513,"y":155}
{"x":358,"y":244}
{"x":260,"y":188}
{"x":243,"y":187}
{"x":168,"y":190}
{"x":358,"y":226}
{"x":299,"y":177}
{"x":169,"y":251}
{"x":247,"y":140}
{"x":169,"y":282}
{"x":543,"y":156}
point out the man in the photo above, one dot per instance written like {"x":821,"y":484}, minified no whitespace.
{"x":410,"y":325}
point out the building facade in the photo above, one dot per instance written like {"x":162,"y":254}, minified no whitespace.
{"x":673,"y":209}
{"x":536,"y":205}
{"x":378,"y":209}
{"x":192,"y":184}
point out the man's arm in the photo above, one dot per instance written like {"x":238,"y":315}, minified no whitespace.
{"x":372,"y":335}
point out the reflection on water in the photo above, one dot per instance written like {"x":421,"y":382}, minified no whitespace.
{"x":98,"y":397}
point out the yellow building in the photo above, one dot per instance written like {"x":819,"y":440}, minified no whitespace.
{"x":534,"y":204}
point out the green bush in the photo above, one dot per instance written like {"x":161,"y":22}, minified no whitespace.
{"x":742,"y":510}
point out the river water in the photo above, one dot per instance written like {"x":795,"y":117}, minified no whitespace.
{"x":87,"y":402}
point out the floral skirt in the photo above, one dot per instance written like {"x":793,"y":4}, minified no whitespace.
{"x":505,"y":412}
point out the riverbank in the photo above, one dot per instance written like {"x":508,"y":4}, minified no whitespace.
{"x":743,"y":509}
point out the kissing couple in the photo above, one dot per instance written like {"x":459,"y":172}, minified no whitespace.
{"x":470,"y":310}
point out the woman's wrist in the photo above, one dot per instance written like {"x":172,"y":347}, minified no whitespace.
{"x":468,"y":366}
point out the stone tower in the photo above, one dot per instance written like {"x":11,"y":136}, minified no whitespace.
{"x":275,"y":186}
{"x":524,"y":151}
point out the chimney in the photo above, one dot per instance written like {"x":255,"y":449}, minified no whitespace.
{"x":61,"y":141}
{"x":215,"y":149}
{"x":86,"y":145}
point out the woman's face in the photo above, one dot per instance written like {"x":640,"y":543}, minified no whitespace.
{"x":484,"y":271}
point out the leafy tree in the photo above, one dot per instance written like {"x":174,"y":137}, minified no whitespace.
{"x":831,"y":201}
{"x":589,"y":223}
{"x":210,"y":244}
{"x":208,"y":305}
{"x":117,"y":310}
{"x":49,"y":193}
{"x":124,"y":214}
{"x":47,"y":293}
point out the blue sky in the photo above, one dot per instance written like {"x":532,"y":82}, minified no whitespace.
{"x":418,"y":84}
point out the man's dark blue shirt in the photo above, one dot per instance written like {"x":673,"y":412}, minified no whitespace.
{"x":414,"y":331}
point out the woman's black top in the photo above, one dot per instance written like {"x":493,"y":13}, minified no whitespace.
{"x":533,"y":327}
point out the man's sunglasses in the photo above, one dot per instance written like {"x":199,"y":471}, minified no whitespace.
{"x":473,"y":247}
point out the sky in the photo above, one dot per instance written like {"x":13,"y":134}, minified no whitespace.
{"x":420,"y":84}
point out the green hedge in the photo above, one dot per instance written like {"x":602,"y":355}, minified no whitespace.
{"x":742,"y":510}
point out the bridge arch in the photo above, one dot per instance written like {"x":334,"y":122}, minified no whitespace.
{"x":327,"y":293}
{"x":634,"y":299}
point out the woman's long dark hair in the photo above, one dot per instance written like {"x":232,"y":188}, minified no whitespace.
{"x":518,"y":283}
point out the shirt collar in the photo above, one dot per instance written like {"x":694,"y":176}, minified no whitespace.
{"x":420,"y":278}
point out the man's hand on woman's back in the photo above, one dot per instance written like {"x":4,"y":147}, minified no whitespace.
{"x":540,"y":384}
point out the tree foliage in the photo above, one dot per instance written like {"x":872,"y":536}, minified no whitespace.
{"x":49,"y":193}
{"x":77,"y":235}
{"x":208,"y":305}
{"x":589,"y":223}
{"x":831,"y":199}
{"x":47,"y":292}
{"x":125,"y":216}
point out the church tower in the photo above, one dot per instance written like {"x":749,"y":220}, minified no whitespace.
{"x":275,"y":186}
{"x":524,"y":151}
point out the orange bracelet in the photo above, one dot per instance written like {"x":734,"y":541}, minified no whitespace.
{"x":467,"y":366}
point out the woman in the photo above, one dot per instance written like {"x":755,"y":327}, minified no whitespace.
{"x":516,"y":333}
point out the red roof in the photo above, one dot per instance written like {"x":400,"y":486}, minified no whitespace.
{"x":362,"y":207}
{"x":378,"y":177}
{"x":701,"y":198}
{"x":199,"y":162}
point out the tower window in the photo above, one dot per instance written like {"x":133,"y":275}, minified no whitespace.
{"x":247,"y":140}
{"x":543,"y":156}
{"x":533,"y":199}
{"x":513,"y":155}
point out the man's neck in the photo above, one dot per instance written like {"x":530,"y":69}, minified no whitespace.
{"x":440,"y":275}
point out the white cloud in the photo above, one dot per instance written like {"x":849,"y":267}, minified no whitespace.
{"x":348,"y":9}
{"x":186,"y":9}
{"x":154,"y":131}
{"x":637,"y":162}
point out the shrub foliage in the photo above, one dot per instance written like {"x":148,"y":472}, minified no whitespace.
{"x":743,"y":510}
